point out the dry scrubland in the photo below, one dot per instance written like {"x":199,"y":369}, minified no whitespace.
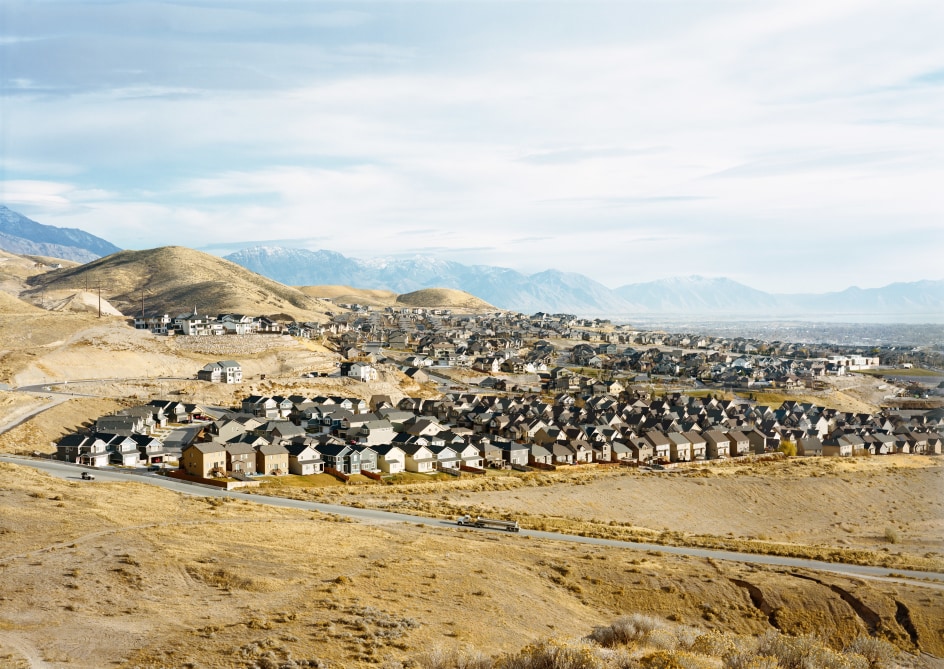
{"x":883,"y":510}
{"x":127,"y":575}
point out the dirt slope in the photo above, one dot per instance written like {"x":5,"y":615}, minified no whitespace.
{"x":127,"y":575}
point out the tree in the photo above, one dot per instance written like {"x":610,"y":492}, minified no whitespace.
{"x":788,"y":448}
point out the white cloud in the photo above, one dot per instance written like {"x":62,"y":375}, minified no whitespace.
{"x":707,"y":144}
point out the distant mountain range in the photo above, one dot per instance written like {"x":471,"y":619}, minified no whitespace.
{"x":557,"y":291}
{"x":21,"y":235}
{"x":505,"y":288}
{"x":551,"y":290}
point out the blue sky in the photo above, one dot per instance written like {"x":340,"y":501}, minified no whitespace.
{"x":793,"y":146}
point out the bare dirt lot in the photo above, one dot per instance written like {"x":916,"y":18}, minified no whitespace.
{"x":126,"y":575}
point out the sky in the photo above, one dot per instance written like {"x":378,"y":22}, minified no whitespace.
{"x":793,"y":146}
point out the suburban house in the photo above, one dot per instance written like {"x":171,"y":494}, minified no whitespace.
{"x":739,"y":443}
{"x":359,"y":370}
{"x":368,"y":457}
{"x":661,"y":446}
{"x":514,"y":453}
{"x":391,"y":459}
{"x":122,"y":449}
{"x":809,"y":446}
{"x":303,"y":458}
{"x":341,"y":458}
{"x":150,"y":450}
{"x":240,"y":457}
{"x":272,"y":459}
{"x":204,"y":459}
{"x":224,"y":371}
{"x":263,"y":407}
{"x":837,"y":447}
{"x":680,"y":448}
{"x":699,"y":445}
{"x":717,"y":444}
{"x":418,"y":458}
{"x":82,"y":449}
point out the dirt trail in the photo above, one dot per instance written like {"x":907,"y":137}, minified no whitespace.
{"x":25,"y":413}
{"x":25,"y":649}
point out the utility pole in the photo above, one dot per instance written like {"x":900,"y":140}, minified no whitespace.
{"x":99,"y":300}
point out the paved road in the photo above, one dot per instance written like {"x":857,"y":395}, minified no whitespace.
{"x":54,"y":400}
{"x":73,"y":472}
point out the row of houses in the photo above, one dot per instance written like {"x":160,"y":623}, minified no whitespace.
{"x":196,"y":324}
{"x":299,"y":434}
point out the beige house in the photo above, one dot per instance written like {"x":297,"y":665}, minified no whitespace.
{"x":272,"y":459}
{"x":204,"y":459}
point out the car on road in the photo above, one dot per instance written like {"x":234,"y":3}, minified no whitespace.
{"x":87,"y":477}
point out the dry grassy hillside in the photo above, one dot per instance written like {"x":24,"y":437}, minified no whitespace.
{"x":127,"y":575}
{"x":10,"y":305}
{"x":443,"y":297}
{"x":16,"y":269}
{"x":429,"y":298}
{"x":347,"y":294}
{"x":177,"y":279}
{"x":70,"y":415}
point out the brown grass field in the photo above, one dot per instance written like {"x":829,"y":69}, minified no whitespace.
{"x":127,"y":575}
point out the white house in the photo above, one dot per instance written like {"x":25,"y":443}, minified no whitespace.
{"x":224,"y":371}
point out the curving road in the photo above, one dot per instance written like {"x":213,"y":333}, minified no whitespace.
{"x":69,"y":471}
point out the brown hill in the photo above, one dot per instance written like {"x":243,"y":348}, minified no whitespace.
{"x":427,"y":297}
{"x":12,"y":305}
{"x":16,"y":269}
{"x":443,"y":297}
{"x":176,"y":279}
{"x":347,"y":294}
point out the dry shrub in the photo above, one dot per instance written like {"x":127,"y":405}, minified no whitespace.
{"x":750,"y":661}
{"x":227,"y":580}
{"x":715,"y":643}
{"x":663,"y":639}
{"x":453,"y":658}
{"x":687,"y":635}
{"x":877,"y":652}
{"x":663,"y":659}
{"x":625,"y":630}
{"x":805,"y":652}
{"x":554,"y":654}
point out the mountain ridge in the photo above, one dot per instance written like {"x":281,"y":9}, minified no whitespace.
{"x":24,"y":236}
{"x":557,"y":291}
{"x":550,"y":290}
